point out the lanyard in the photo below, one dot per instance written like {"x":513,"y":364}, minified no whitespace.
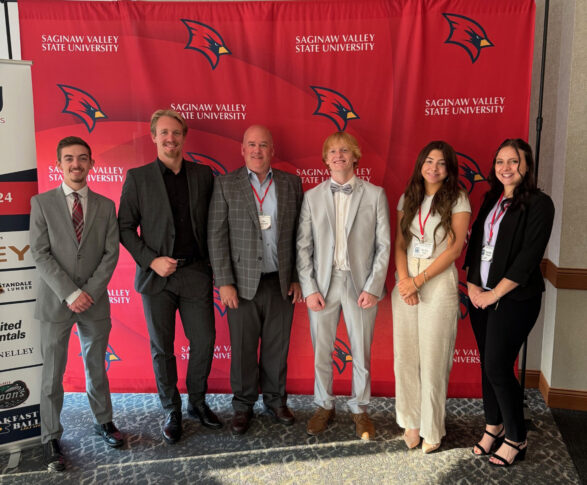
{"x":264,"y":195}
{"x":496,"y":217}
{"x":422,"y":226}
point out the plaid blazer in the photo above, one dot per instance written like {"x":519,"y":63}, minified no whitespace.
{"x":234,"y":235}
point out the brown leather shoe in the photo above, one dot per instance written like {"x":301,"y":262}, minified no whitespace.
{"x":241,"y":421}
{"x":319,"y":421}
{"x":364,"y":426}
{"x":281,"y":414}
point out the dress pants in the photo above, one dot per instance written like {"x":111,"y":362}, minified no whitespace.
{"x":93,"y":336}
{"x":268,"y":316}
{"x":423,"y":345}
{"x":500,"y":334}
{"x":188,"y":290}
{"x":359,"y":324}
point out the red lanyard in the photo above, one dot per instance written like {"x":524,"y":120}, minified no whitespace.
{"x":264,"y":195}
{"x":422,"y":226}
{"x":496,"y":217}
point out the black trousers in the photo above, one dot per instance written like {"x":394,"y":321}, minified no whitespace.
{"x":267,"y":317}
{"x":188,"y":290}
{"x":500,"y":334}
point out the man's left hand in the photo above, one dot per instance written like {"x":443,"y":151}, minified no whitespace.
{"x":295,"y":291}
{"x":366,"y":300}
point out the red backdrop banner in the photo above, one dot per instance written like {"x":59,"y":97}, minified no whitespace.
{"x":394,"y":73}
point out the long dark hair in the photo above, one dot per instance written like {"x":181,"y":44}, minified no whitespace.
{"x":528,"y":184}
{"x":443,"y":200}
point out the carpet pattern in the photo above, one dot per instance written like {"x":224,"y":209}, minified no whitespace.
{"x":272,"y":453}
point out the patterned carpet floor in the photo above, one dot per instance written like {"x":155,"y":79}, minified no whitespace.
{"x":270,"y":453}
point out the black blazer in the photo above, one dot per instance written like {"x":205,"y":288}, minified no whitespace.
{"x":519,"y":247}
{"x":144,"y":204}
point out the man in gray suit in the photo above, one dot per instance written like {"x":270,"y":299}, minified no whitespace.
{"x":251,"y":235}
{"x":343,"y":248}
{"x":74,"y":242}
{"x":168,"y":200}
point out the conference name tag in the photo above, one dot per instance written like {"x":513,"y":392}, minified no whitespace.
{"x":487,"y":253}
{"x":423,"y":250}
{"x":264,"y":221}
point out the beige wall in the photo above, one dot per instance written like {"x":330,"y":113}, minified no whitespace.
{"x":556,"y":346}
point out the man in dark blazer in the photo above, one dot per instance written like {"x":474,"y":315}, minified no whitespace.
{"x":74,"y":242}
{"x":168,"y":200}
{"x":251,"y":235}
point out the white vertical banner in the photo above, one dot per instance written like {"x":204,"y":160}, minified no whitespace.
{"x":20,"y":354}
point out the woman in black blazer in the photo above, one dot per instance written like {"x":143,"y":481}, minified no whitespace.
{"x":505,"y":285}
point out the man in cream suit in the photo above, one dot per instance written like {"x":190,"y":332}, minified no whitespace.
{"x":74,"y":242}
{"x":168,"y":201}
{"x":251,"y":234}
{"x":343,"y":246}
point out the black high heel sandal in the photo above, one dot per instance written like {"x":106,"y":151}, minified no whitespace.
{"x":519,"y":457}
{"x":497,"y":441}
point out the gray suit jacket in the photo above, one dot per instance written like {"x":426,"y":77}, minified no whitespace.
{"x":234,"y":234}
{"x":368,"y":239}
{"x":144,"y":204}
{"x":65,"y":265}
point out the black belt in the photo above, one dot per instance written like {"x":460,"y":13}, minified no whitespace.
{"x":274,"y":274}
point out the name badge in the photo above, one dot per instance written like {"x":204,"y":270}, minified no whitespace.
{"x":423,"y":250}
{"x":487,"y":253}
{"x":264,"y":221}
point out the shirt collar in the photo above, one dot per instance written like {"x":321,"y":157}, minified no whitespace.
{"x":67,"y":190}
{"x":164,"y":167}
{"x":253,"y":174}
{"x":351,"y":182}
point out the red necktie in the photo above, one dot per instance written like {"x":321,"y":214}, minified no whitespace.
{"x":77,"y":216}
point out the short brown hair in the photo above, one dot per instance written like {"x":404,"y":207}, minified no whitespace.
{"x":347,"y":139}
{"x":172,"y":114}
{"x":70,"y":141}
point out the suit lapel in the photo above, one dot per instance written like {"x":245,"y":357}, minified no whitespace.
{"x":245,"y":186}
{"x":91,"y":210}
{"x":64,"y":209}
{"x":328,"y":200}
{"x":193,"y":188}
{"x":281,"y":194}
{"x":356,"y":197}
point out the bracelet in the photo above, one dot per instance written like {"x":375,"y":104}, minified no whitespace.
{"x":415,"y":285}
{"x":497,"y":301}
{"x":425,"y":277}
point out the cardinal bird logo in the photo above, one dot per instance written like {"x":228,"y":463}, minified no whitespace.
{"x":463,"y":301}
{"x":218,"y":303}
{"x":205,"y":40}
{"x":216,"y":166}
{"x":335,"y":106}
{"x":109,"y":357}
{"x":470,"y":173}
{"x":81,"y":104}
{"x":466,"y":33}
{"x":341,"y":355}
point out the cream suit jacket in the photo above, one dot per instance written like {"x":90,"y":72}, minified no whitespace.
{"x":368,"y":239}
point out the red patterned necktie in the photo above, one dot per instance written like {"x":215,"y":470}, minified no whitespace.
{"x":77,"y":216}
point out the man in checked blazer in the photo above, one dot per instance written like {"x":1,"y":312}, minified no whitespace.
{"x":75,"y":266}
{"x":167,"y":200}
{"x":251,"y":235}
{"x":343,"y":247}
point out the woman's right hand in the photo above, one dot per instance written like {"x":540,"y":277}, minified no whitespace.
{"x":474,"y":292}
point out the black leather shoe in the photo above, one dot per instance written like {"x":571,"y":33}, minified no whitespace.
{"x":205,"y":415}
{"x":241,"y":421}
{"x":172,"y":427}
{"x":281,"y":414}
{"x":53,"y":457}
{"x":111,"y":436}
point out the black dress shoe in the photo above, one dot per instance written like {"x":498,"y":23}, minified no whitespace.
{"x":241,"y":421}
{"x":281,"y":414}
{"x":205,"y":415}
{"x":172,"y":427}
{"x":111,"y":436}
{"x":53,"y":457}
